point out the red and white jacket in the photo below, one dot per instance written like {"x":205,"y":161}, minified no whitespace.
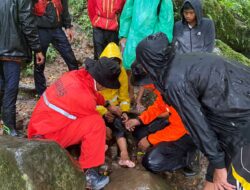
{"x":104,"y":13}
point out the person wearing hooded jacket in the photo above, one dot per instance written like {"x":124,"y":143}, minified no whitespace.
{"x":194,"y":33}
{"x":19,"y":36}
{"x":138,"y":20}
{"x":51,"y":17}
{"x":160,"y":132}
{"x":66,"y":114}
{"x":211,"y":95}
{"x":120,"y":99}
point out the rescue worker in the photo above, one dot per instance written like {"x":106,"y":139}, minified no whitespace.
{"x":66,"y":114}
{"x":120,"y":99}
{"x":104,"y":16}
{"x":160,"y":132}
{"x":211,"y":95}
{"x":19,"y":36}
{"x":51,"y":17}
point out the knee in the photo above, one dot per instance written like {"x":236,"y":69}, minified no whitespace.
{"x":150,"y":163}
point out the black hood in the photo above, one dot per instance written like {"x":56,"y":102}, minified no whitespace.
{"x":155,"y":54}
{"x":196,"y":4}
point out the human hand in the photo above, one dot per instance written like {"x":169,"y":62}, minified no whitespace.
{"x":70,"y":34}
{"x":144,"y":144}
{"x":109,"y":117}
{"x":40,"y":58}
{"x":131,"y":123}
{"x":220,"y":180}
{"x":115,"y":110}
{"x":123,"y":43}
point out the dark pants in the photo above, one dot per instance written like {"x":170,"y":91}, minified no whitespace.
{"x":101,"y":38}
{"x":59,"y":40}
{"x":9,"y":81}
{"x":169,"y":156}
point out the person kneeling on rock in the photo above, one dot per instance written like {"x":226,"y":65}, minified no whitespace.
{"x":160,"y":127}
{"x":66,"y":113}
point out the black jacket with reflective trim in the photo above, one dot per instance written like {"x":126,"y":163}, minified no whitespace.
{"x":18,"y":30}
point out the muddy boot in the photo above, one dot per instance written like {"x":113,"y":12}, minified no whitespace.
{"x":94,"y":180}
{"x":9,"y":121}
{"x":193,"y":163}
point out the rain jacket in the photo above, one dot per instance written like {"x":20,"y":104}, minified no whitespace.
{"x":104,"y":13}
{"x":142,"y":18}
{"x":210,"y":94}
{"x":56,"y":14}
{"x":17,"y":30}
{"x":117,"y":97}
{"x":200,"y":38}
{"x":172,"y":132}
{"x":78,"y":99}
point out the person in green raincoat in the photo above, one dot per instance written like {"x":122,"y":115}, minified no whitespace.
{"x":139,"y":19}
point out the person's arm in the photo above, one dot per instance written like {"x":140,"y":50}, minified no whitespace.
{"x":153,"y":111}
{"x":91,"y":9}
{"x":66,"y":19}
{"x":166,"y":19}
{"x":28,"y":25}
{"x":126,"y":19}
{"x":123,"y":96}
{"x":184,"y":100}
{"x":209,"y":37}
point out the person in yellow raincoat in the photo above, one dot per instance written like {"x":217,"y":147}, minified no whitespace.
{"x":120,"y":98}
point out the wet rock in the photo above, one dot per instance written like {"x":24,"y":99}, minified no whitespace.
{"x":133,"y":179}
{"x":36,"y":165}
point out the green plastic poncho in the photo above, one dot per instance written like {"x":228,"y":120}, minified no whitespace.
{"x":141,"y":18}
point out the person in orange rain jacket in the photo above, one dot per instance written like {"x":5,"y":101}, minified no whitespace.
{"x":66,"y":113}
{"x":104,"y":16}
{"x":172,"y":147}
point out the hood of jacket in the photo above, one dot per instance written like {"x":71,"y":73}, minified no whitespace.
{"x":155,"y":54}
{"x":112,"y":51}
{"x":196,"y":4}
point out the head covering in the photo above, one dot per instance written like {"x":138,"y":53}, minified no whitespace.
{"x":197,"y":6}
{"x":139,"y":76}
{"x":105,"y":71}
{"x":112,"y":51}
{"x":155,"y":54}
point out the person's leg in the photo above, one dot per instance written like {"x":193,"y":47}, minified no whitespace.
{"x":11,"y":71}
{"x":1,"y":88}
{"x":98,"y":41}
{"x":111,"y":36}
{"x":62,"y":45}
{"x":130,"y":88}
{"x":119,"y":131}
{"x":40,"y":80}
{"x":90,"y":133}
{"x":168,"y":156}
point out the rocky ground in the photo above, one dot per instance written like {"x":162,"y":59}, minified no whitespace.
{"x":27,"y":100}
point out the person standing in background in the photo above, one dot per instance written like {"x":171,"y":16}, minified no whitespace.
{"x":104,"y":16}
{"x":18,"y":37}
{"x":138,"y":20}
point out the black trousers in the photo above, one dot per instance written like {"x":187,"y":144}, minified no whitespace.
{"x":59,"y":40}
{"x":169,"y":156}
{"x":101,"y":38}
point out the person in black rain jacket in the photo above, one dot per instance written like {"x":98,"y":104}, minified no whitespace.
{"x":212,"y":96}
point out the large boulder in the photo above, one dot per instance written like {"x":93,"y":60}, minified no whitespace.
{"x":134,"y":179}
{"x":36,"y":165}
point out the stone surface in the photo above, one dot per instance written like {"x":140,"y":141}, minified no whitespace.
{"x":36,"y":165}
{"x":134,"y":179}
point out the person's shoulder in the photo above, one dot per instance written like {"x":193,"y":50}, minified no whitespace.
{"x":207,"y":21}
{"x":178,"y":23}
